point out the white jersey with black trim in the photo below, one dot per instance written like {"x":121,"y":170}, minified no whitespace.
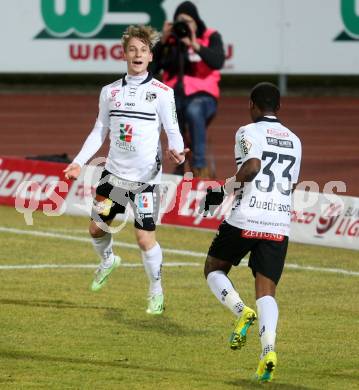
{"x":264,"y":205}
{"x":133,"y":110}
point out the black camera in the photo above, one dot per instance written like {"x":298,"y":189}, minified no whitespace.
{"x":181,"y":30}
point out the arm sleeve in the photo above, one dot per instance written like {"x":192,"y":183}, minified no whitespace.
{"x":98,"y":134}
{"x":168,"y":117}
{"x":213,"y":55}
{"x":246,"y":147}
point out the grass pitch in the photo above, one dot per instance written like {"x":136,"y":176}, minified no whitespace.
{"x":57,"y":334}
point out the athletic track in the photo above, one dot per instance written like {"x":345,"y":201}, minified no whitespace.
{"x":329,"y":129}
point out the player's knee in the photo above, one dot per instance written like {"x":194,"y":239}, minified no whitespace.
{"x":95,"y":231}
{"x":208,"y":267}
{"x":142,"y":243}
{"x":205,"y":272}
{"x":213,"y":264}
{"x":264,"y":286}
{"x":145,"y":241}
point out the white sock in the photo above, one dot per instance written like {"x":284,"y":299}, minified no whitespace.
{"x":267,"y":322}
{"x":103,"y":246}
{"x":152,"y":261}
{"x":223,"y":289}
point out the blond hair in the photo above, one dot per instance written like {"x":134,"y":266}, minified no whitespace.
{"x":146,"y":34}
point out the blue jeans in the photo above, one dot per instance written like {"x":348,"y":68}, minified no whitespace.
{"x":195,"y":112}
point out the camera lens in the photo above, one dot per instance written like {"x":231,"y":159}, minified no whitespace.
{"x":181,"y":29}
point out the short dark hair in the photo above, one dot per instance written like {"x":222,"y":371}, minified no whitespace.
{"x":266,"y":96}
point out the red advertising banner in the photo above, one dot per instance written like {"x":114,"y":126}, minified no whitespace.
{"x":32,"y":184}
{"x":188,"y":198}
{"x":29,"y":185}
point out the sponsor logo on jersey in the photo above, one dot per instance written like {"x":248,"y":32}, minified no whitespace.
{"x":262,"y":235}
{"x":122,"y":183}
{"x":282,"y":143}
{"x":285,"y":143}
{"x":144,"y":202}
{"x":125,"y":138}
{"x":159,"y":85}
{"x":126,"y":132}
{"x":125,"y":146}
{"x":114,"y":92}
{"x":245,"y":146}
{"x":151,"y":96}
{"x":277,"y":133}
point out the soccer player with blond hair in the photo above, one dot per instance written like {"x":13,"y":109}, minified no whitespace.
{"x":132,"y":111}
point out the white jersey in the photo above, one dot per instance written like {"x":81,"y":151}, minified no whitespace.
{"x":264,"y":205}
{"x":133,"y":110}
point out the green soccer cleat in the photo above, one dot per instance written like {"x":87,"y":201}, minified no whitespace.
{"x":102,"y":274}
{"x":266,"y":367}
{"x":155,"y":305}
{"x":239,"y":335}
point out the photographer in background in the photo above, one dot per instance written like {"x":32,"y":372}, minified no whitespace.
{"x":190,"y":55}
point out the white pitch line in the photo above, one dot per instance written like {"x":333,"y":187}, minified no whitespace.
{"x":85,"y":231}
{"x":134,"y":246}
{"x":77,"y":266}
{"x":330,"y":270}
{"x":168,"y":264}
{"x":40,"y":233}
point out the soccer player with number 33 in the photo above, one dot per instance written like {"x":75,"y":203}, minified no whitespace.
{"x":268,"y":157}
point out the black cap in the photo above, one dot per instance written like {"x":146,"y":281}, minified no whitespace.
{"x":188,"y":8}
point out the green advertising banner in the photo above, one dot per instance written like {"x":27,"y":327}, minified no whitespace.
{"x":266,"y":37}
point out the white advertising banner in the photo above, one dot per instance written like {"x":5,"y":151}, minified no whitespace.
{"x":267,"y":37}
{"x":323,"y":219}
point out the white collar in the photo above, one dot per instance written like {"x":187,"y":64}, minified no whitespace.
{"x":136,"y":80}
